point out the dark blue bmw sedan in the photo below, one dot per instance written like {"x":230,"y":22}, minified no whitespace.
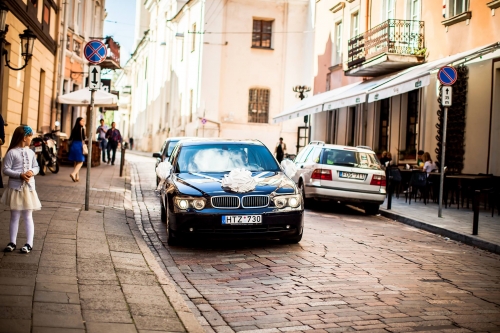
{"x":229,"y":189}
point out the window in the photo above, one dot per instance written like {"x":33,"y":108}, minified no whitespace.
{"x":258,"y":105}
{"x":77,"y":46}
{"x":41,"y":99}
{"x":46,"y":14}
{"x":34,"y":3}
{"x":411,"y":125}
{"x":389,"y":9}
{"x":355,"y":24}
{"x":331,"y":127}
{"x":68,"y":43}
{"x":80,"y":16}
{"x":338,"y":43}
{"x":181,"y":54}
{"x":261,"y":35}
{"x":383,"y":136}
{"x":191,"y":105}
{"x":301,"y":157}
{"x":415,"y":10}
{"x":193,"y":38}
{"x":458,"y":7}
{"x":71,"y":14}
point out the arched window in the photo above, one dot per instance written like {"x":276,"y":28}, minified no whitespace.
{"x":258,"y":106}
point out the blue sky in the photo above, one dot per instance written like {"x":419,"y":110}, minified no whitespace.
{"x":120,"y":23}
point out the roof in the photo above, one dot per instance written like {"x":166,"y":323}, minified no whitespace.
{"x":361,"y":149}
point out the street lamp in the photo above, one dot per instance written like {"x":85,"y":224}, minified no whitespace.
{"x":27,"y":40}
{"x":302,"y":93}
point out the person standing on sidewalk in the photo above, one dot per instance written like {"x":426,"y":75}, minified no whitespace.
{"x":20,"y":166}
{"x":76,"y":149}
{"x":114,"y":138}
{"x":2,"y":141}
{"x":280,"y":150}
{"x":103,"y":143}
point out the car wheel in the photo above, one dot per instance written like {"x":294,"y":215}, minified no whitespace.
{"x":292,"y":239}
{"x":304,"y":199}
{"x":171,"y":239}
{"x":163,"y":211}
{"x":371,"y":209}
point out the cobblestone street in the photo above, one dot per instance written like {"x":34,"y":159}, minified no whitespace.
{"x":350,"y":272}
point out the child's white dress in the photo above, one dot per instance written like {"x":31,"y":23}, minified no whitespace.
{"x":20,"y":195}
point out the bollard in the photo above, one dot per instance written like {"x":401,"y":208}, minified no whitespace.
{"x":389,"y":189}
{"x":475,"y":223}
{"x":122,"y":160}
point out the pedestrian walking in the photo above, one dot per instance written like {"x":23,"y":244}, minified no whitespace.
{"x":103,"y":142}
{"x":20,"y":166}
{"x":280,"y":150}
{"x":114,"y":138}
{"x":2,"y":141}
{"x":131,"y":142}
{"x":76,"y":153}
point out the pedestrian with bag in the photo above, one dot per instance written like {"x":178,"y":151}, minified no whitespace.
{"x":103,"y":143}
{"x":78,"y":149}
{"x":2,"y":141}
{"x":20,"y":166}
{"x":114,"y":138}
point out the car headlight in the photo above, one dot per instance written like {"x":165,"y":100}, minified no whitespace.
{"x":185,"y":203}
{"x":283,"y":201}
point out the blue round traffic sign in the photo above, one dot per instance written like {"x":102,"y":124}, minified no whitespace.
{"x":447,"y":75}
{"x":95,"y":52}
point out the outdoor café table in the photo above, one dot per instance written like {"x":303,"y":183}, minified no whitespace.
{"x":469,"y":183}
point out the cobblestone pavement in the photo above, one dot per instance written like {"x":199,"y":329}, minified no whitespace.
{"x":89,"y":271}
{"x":349,"y":273}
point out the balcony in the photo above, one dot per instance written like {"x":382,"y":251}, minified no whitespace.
{"x":389,"y":47}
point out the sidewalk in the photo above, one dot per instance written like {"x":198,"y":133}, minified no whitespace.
{"x":455,"y":224}
{"x":89,"y":271}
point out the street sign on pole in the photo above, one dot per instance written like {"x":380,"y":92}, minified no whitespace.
{"x":446,"y":93}
{"x":95,"y":52}
{"x":94,"y":77}
{"x":447,"y":75}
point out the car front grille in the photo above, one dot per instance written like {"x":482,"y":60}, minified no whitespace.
{"x":226,"y":202}
{"x":255,"y":201}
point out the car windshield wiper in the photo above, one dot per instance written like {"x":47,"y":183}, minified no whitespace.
{"x":345,"y":164}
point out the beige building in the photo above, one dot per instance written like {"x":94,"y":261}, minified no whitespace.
{"x":27,"y":94}
{"x":210,"y":69}
{"x":376,"y":63}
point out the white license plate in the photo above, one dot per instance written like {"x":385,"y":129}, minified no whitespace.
{"x":352,"y":175}
{"x":241,"y":219}
{"x":38,"y":149}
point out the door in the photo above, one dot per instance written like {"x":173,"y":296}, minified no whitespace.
{"x":414,"y":33}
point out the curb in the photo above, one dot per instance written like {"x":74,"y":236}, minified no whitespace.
{"x":466,"y":239}
{"x":185,"y":315}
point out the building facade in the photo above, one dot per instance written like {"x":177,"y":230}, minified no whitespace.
{"x":390,"y":52}
{"x":211,"y":69}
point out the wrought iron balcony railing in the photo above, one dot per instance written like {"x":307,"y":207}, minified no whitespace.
{"x":404,"y":37}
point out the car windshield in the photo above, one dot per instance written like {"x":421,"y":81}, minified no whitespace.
{"x":350,"y":158}
{"x":224,"y":158}
{"x":171,"y":146}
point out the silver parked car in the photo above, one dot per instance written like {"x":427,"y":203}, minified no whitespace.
{"x":341,"y":173}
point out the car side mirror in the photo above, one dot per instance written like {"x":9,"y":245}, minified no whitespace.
{"x":157,"y":155}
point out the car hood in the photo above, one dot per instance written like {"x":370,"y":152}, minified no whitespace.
{"x":210,"y":184}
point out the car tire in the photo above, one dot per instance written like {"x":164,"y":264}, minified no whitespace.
{"x":163,"y":212}
{"x":304,"y":199}
{"x":171,"y":239}
{"x":371,"y":209}
{"x":292,"y":239}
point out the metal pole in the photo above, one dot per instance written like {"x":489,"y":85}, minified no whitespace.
{"x":388,"y":187}
{"x":475,"y":204}
{"x":443,"y":151}
{"x":89,"y":156}
{"x":122,"y":159}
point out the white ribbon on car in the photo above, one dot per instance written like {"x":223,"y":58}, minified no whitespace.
{"x":289,"y":168}
{"x":163,"y":171}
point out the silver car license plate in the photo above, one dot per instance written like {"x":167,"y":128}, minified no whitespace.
{"x":241,"y":219}
{"x":352,"y":175}
{"x":38,"y":149}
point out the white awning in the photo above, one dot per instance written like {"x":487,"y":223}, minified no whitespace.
{"x":356,"y":94}
{"x":419,"y":76}
{"x":82,"y":98}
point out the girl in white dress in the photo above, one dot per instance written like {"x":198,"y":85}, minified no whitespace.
{"x":21,"y":166}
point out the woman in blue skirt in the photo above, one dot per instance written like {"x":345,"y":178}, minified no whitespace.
{"x":76,"y":149}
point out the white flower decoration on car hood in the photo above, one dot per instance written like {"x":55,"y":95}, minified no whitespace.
{"x":289,"y":168}
{"x":239,"y":180}
{"x":163,"y":171}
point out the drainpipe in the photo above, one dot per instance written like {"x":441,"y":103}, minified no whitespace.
{"x":62,"y":61}
{"x":368,"y":14}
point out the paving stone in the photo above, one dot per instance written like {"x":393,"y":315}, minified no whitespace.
{"x":107,"y":316}
{"x":15,"y":326}
{"x":57,"y":330}
{"x":110,"y":328}
{"x":16,"y":290}
{"x":56,"y":297}
{"x":159,"y":324}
